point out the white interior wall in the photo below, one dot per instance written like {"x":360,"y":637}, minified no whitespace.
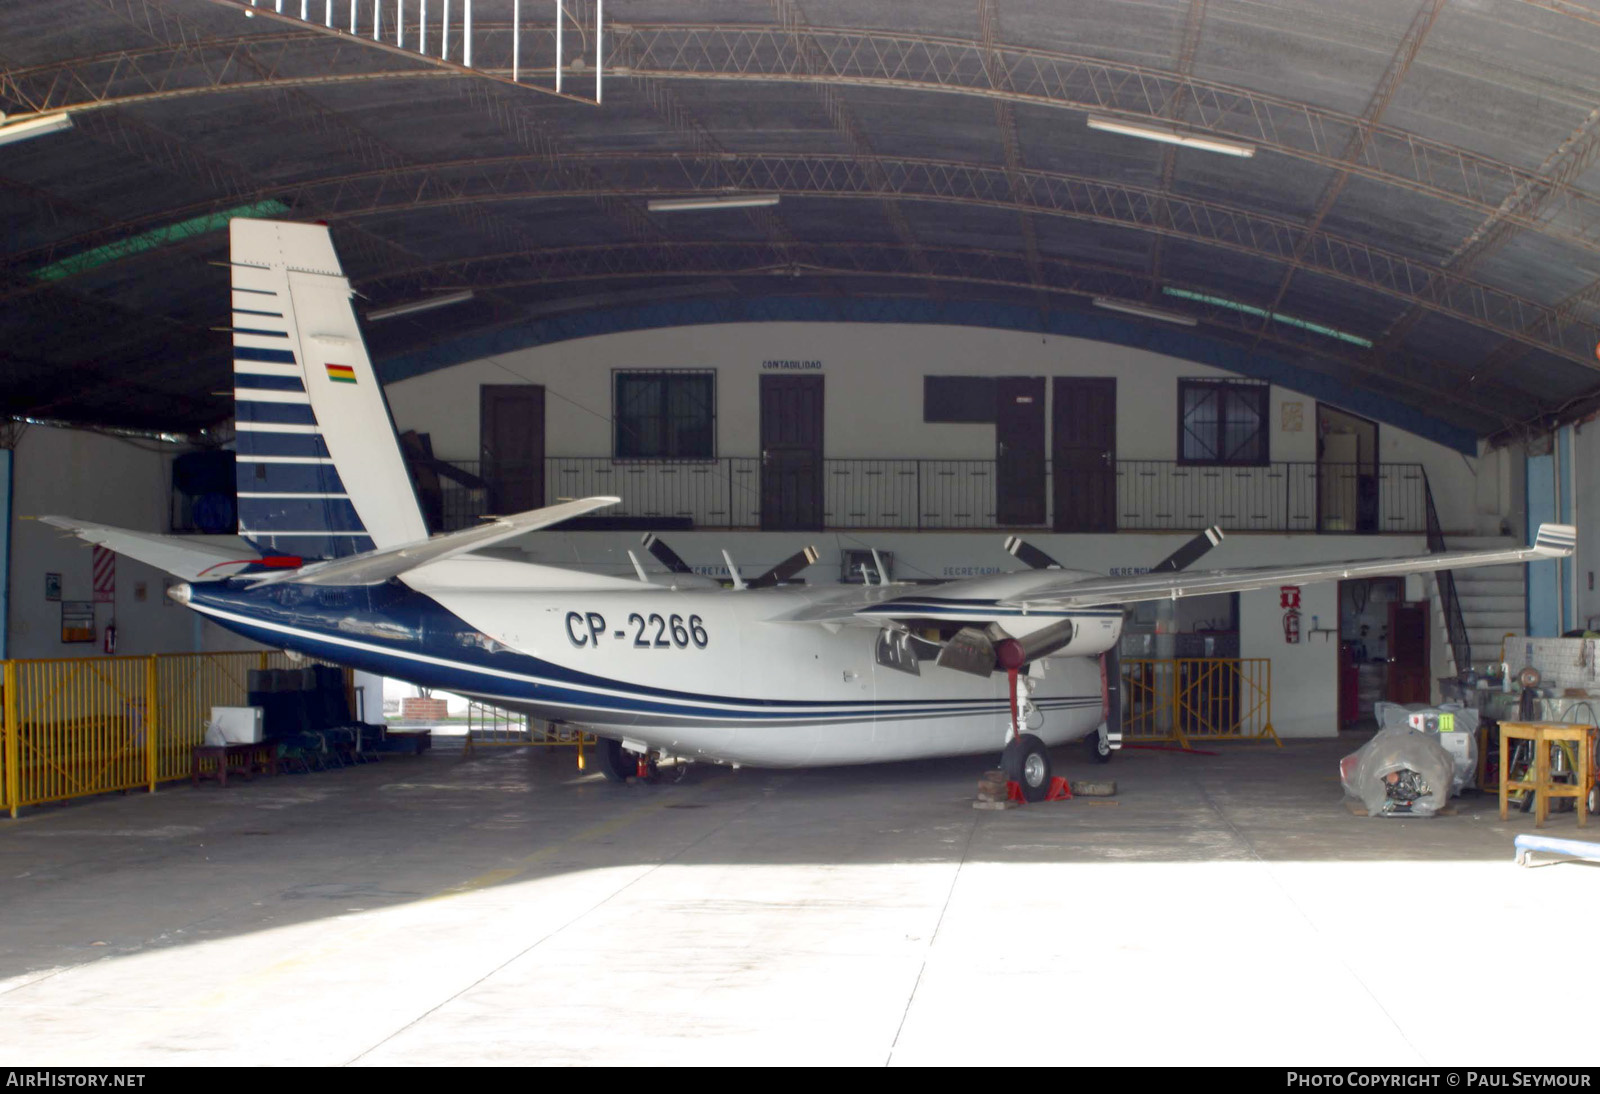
{"x":873,"y":375}
{"x":109,"y":480}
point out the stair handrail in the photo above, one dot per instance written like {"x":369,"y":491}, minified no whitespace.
{"x":1449,"y":602}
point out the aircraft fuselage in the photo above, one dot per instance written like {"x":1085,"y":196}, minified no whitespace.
{"x":700,"y":673}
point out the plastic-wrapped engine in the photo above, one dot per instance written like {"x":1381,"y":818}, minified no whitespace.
{"x":1456,"y":726}
{"x":1400,"y":772}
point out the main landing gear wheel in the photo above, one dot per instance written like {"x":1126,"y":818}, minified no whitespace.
{"x":1027,"y":763}
{"x":616,"y":763}
{"x":1099,"y":748}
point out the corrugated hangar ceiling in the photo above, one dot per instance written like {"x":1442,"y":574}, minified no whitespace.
{"x":1418,"y":223}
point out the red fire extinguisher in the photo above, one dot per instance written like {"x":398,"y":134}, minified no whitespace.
{"x":109,"y":641}
{"x":1289,"y":601}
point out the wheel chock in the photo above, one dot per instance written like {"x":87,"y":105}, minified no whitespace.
{"x":1060,"y":791}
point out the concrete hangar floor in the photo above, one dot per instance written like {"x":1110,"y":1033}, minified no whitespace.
{"x":506,"y":909}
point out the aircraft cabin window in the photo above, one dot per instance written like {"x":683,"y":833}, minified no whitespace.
{"x":1222,"y":421}
{"x":666,"y":414}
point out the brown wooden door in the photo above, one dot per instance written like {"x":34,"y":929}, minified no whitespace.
{"x":1084,"y":453}
{"x":791,"y":453}
{"x":511,"y":446}
{"x":1019,"y":450}
{"x":1408,"y":652}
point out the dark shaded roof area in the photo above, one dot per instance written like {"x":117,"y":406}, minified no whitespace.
{"x":1423,"y":177}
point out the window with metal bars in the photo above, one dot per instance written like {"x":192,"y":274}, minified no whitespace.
{"x":665,"y":414}
{"x":1222,"y":421}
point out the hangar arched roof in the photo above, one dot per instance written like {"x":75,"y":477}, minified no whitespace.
{"x":1419,"y":222}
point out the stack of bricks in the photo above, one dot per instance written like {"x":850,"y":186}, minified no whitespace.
{"x":416,"y":708}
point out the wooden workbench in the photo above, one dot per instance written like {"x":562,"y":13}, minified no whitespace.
{"x":238,"y":759}
{"x":1544,"y":735}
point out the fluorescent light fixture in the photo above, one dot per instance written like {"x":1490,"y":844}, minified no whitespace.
{"x":1169,"y":135}
{"x":34,"y":127}
{"x":728,"y":201}
{"x":1144,"y":311}
{"x":443,"y":300}
{"x":1263,"y":313}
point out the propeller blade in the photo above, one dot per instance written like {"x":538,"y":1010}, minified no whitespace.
{"x":1042,"y":643}
{"x":1027,"y":553}
{"x":665,"y":555}
{"x":969,"y":650}
{"x":786,"y":569}
{"x":1185,"y":556}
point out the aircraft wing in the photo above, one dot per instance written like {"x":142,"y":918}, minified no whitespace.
{"x":374,"y":567}
{"x":844,"y":605}
{"x":1050,"y":591}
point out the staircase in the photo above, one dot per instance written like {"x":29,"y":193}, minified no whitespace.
{"x":1493,"y":600}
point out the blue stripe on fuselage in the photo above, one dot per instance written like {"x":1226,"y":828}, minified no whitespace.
{"x":395,"y":631}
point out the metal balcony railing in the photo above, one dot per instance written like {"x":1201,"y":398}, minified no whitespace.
{"x":939,"y":494}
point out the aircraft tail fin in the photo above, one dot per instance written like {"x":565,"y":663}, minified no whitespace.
{"x":320,"y":471}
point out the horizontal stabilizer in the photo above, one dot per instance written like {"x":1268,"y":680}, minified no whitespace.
{"x":188,"y":557}
{"x":376,"y":567}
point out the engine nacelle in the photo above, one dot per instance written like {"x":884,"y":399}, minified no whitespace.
{"x":1088,"y":634}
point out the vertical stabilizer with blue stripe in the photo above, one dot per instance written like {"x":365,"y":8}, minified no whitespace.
{"x":320,"y":473}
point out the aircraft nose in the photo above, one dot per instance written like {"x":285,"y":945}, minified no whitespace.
{"x":179,"y":593}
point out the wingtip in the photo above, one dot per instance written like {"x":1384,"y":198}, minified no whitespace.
{"x":83,"y":529}
{"x":1557,"y":537}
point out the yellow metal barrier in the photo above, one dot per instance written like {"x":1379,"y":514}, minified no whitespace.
{"x":186,"y":687}
{"x":1190,"y":699}
{"x":80,"y":726}
{"x":495,"y":727}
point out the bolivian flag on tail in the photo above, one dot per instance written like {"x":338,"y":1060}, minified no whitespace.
{"x":341,"y":374}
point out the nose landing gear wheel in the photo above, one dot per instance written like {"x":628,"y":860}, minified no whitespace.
{"x":1099,"y":748}
{"x":1027,"y":763}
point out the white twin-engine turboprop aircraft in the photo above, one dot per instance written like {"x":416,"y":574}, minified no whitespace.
{"x":664,"y":665}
